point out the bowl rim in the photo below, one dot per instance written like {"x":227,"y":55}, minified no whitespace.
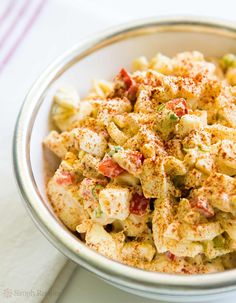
{"x":61,"y":238}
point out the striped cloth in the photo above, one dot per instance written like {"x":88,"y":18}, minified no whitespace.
{"x":16,"y":19}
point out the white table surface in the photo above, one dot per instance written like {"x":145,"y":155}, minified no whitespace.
{"x":84,"y":287}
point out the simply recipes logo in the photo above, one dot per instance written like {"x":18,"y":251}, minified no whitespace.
{"x":8,"y":293}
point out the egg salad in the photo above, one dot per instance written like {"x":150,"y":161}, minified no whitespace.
{"x":147,"y":172}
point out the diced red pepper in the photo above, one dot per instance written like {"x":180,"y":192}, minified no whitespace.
{"x":178,"y":106}
{"x":132,"y":92}
{"x":126,"y":78}
{"x":203,"y":206}
{"x":109,"y":168}
{"x":65,"y":178}
{"x":129,"y":84}
{"x":171,"y":256}
{"x":138,"y":205}
{"x":136,"y":157}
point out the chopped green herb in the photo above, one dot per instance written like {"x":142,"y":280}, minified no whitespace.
{"x":117,"y":148}
{"x":95,"y":190}
{"x":160,"y":107}
{"x":219,"y":241}
{"x":204,"y":149}
{"x":114,"y":150}
{"x":98,"y":212}
{"x":173,"y":117}
{"x":111,"y":153}
{"x":178,"y":180}
{"x":165,"y":122}
{"x":228,"y":60}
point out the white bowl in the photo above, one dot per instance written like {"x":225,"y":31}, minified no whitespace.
{"x":102,"y":57}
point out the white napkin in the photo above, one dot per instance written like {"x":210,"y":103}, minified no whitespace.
{"x":32,"y":34}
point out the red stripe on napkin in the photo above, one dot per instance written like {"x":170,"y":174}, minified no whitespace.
{"x":14,"y":23}
{"x":23,"y":33}
{"x":7,"y":10}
